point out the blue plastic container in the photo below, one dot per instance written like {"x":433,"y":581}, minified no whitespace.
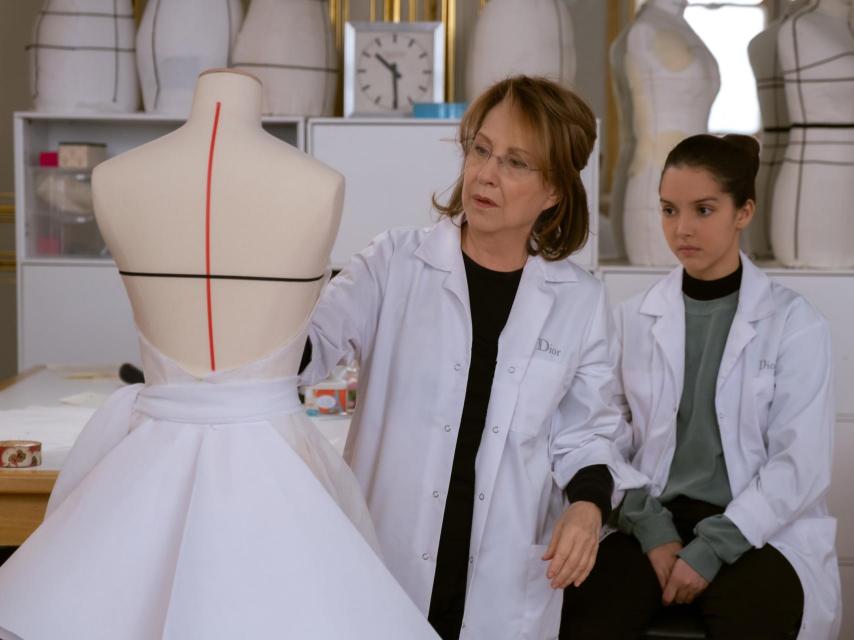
{"x":444,"y":110}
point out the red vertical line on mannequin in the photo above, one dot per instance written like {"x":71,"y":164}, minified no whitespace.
{"x":208,"y":236}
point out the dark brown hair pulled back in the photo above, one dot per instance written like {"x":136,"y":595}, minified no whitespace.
{"x":733,"y":160}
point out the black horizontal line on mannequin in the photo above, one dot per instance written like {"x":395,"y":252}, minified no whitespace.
{"x":270,"y":65}
{"x":81,"y":48}
{"x":87,"y":14}
{"x":818,"y":63}
{"x":810,"y":125}
{"x":203,"y":276}
{"x":827,"y":162}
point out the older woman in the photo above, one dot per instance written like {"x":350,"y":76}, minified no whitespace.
{"x":483,"y":434}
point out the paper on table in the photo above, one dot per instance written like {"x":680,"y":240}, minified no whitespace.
{"x":54,"y":427}
{"x":86,"y":399}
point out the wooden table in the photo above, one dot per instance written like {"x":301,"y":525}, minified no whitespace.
{"x":24,"y":492}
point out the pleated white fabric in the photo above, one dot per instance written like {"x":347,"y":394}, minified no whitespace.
{"x":204,"y":509}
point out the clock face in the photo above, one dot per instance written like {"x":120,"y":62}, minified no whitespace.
{"x":393,"y":70}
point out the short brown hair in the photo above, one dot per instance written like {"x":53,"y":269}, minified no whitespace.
{"x":566,"y":129}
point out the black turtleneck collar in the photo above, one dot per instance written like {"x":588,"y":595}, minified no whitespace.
{"x":711,"y":289}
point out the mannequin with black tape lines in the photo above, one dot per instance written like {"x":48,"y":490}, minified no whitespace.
{"x":219,"y":197}
{"x":811,"y":223}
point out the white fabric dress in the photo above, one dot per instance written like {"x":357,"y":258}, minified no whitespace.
{"x":205,"y":509}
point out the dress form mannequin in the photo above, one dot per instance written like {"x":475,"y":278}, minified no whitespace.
{"x":762,"y":51}
{"x":531,"y":37}
{"x":274,"y":212}
{"x":812,"y":221}
{"x":620,"y":84}
{"x":673,"y":80}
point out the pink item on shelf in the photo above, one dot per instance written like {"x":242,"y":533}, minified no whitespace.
{"x":49,"y":159}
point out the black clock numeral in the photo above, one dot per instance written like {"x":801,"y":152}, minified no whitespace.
{"x":394,"y":38}
{"x":422,"y":88}
{"x":366,"y":54}
{"x":366,"y":87}
{"x":361,"y":70}
{"x":377,"y":40}
{"x":377,"y":100}
{"x":411,"y":101}
{"x":411,"y":41}
{"x":428,"y":72}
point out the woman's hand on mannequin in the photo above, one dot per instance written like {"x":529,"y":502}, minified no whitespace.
{"x":662,"y":558}
{"x":574,"y":543}
{"x":684,"y":584}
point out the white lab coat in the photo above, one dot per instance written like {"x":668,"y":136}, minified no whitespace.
{"x":774,"y":401}
{"x":402,"y":308}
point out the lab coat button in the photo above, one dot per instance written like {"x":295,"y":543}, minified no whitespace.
{"x":511,"y":369}
{"x":481,"y":497}
{"x":425,"y":556}
{"x":435,"y":494}
{"x":495,"y":429}
{"x":471,"y":559}
{"x":458,"y":366}
{"x":448,"y":428}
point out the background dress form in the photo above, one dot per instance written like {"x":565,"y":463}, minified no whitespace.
{"x":813,"y":221}
{"x":170,"y":56}
{"x":762,"y":51}
{"x":620,"y":84}
{"x":290,"y":46}
{"x":532,"y":37}
{"x":673,"y":80}
{"x":82,"y":57}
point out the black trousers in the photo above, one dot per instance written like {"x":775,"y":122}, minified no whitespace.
{"x":757,"y":597}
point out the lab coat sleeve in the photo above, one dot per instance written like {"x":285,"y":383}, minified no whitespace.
{"x":586,"y":422}
{"x":625,"y":438}
{"x":344,"y":322}
{"x":799,"y":433}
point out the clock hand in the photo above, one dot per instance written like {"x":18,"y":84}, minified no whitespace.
{"x":391,"y":67}
{"x":395,"y":78}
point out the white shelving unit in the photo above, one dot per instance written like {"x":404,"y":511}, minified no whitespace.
{"x":74,"y":311}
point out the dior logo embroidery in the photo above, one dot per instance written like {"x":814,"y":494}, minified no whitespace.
{"x":765,"y":364}
{"x":546,"y":347}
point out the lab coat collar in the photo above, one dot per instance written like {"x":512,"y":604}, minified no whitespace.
{"x":754,"y":300}
{"x":440,"y":248}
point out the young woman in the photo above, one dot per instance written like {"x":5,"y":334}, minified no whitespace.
{"x":486,"y":376}
{"x":727,"y":385}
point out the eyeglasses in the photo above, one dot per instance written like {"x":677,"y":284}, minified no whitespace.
{"x":512,"y":166}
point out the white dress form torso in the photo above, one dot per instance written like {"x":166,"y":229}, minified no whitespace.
{"x":813,"y":223}
{"x":273,"y":213}
{"x":673,"y":80}
{"x":762,"y":51}
{"x":531,"y":37}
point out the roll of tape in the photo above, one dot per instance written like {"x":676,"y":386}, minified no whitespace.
{"x":15,"y":454}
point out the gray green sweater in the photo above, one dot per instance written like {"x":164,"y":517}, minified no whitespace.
{"x":698,"y":469}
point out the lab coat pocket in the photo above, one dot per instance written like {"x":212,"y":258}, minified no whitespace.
{"x":539,"y":395}
{"x":543,"y":604}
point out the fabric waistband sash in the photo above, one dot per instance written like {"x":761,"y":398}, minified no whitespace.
{"x":224,"y":403}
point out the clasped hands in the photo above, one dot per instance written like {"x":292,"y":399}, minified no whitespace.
{"x":680,"y":583}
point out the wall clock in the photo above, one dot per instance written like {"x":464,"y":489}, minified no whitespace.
{"x":389,"y":66}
